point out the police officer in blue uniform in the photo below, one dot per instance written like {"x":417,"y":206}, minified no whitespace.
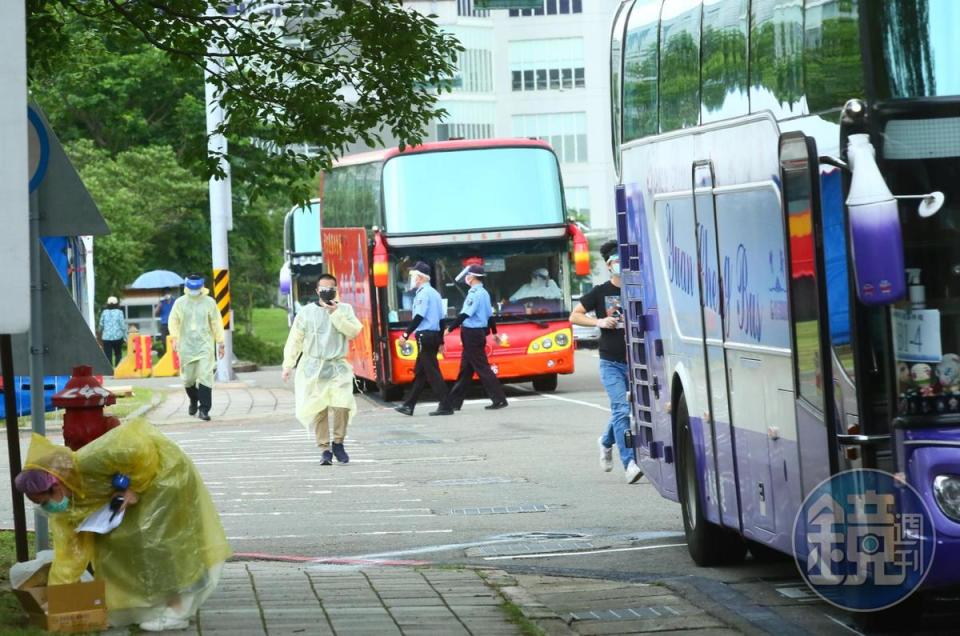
{"x":427,"y":314}
{"x":476,"y":320}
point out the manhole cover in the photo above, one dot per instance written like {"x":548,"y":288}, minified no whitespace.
{"x":501,"y":510}
{"x":542,"y":535}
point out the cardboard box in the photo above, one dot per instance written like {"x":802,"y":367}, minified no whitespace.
{"x":67,"y":609}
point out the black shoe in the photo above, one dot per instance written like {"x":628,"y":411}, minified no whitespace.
{"x":340,"y":453}
{"x":203,"y":415}
{"x":497,"y":405}
{"x":442,"y":411}
{"x":326,"y":459}
{"x":403,"y":408}
{"x":193,"y":409}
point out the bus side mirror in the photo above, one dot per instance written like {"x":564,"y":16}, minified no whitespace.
{"x":876,"y":242}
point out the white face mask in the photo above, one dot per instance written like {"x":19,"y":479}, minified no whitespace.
{"x":194,"y":292}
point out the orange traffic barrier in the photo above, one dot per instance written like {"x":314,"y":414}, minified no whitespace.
{"x":138,"y":363}
{"x":169,"y":364}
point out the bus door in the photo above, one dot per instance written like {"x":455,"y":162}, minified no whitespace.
{"x":712,"y":315}
{"x":817,"y":412}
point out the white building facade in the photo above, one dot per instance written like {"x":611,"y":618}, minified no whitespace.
{"x":541,"y":73}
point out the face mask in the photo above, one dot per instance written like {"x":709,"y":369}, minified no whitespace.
{"x":194,"y":292}
{"x":615,"y":269}
{"x":57,"y":506}
{"x":327,"y":294}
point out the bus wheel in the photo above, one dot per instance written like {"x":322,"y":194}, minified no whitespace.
{"x":390,"y":392}
{"x":708,"y":543}
{"x":545,"y":383}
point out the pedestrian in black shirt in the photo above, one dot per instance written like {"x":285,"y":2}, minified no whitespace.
{"x":605,"y":301}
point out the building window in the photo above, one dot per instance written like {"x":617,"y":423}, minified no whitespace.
{"x":566,"y":132}
{"x":550,"y":7}
{"x":474,"y":71}
{"x":465,"y":8}
{"x":547,"y":64}
{"x":578,"y":203}
{"x":449,"y":131}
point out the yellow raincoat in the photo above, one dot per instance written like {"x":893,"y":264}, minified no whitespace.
{"x":195,"y":324}
{"x":324,"y":376}
{"x":169,"y":542}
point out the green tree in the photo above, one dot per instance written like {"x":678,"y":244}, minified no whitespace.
{"x":285,"y":78}
{"x":148,"y":199}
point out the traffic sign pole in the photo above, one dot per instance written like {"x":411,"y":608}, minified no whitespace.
{"x":37,"y":349}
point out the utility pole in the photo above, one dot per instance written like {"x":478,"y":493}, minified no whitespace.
{"x":221,"y":213}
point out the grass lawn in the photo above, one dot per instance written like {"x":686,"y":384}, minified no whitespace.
{"x":270,"y":324}
{"x":13,"y":620}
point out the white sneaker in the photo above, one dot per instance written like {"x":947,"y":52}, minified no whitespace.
{"x":633,"y":473}
{"x":164,"y":623}
{"x":606,"y":457}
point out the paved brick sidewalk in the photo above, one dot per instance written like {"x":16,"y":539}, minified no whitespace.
{"x":231,"y":401}
{"x":268,"y":599}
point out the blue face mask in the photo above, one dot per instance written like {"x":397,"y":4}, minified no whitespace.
{"x":615,"y":268}
{"x":57,"y":506}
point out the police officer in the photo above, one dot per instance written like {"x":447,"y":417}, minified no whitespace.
{"x":477,"y":321}
{"x":427,"y":313}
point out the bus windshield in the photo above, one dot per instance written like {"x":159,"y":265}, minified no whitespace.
{"x":525,"y":280}
{"x":471,"y":189}
{"x":919,"y":47}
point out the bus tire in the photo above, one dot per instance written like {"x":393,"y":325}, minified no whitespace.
{"x":390,"y":392}
{"x":545,"y":383}
{"x":708,"y":543}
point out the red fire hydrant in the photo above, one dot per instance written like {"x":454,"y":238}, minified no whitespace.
{"x":83,"y":399}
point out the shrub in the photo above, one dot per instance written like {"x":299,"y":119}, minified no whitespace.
{"x":253,"y":349}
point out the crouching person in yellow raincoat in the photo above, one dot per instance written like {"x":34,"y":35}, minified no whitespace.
{"x":320,"y":338}
{"x":165,"y":557}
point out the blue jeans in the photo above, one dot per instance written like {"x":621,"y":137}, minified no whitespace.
{"x":614,"y":378}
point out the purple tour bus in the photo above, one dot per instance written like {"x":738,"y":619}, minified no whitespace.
{"x":789,"y":223}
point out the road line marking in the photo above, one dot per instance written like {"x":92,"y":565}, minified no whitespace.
{"x":843,"y":625}
{"x":544,"y":555}
{"x":564,"y":399}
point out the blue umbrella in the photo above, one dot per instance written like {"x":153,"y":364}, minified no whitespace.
{"x":157,"y":279}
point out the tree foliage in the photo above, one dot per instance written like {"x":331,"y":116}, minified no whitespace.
{"x":327,"y":73}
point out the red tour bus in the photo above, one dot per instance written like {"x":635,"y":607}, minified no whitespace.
{"x":494,"y":202}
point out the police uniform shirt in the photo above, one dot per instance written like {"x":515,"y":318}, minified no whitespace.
{"x":477,"y":308}
{"x":428,"y":304}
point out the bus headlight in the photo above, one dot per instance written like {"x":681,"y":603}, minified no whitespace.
{"x":406,"y":349}
{"x":947,"y":491}
{"x":562,"y":339}
{"x":535,"y":346}
{"x":547,"y":343}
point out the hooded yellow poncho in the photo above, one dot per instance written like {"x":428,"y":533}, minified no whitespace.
{"x":167,"y":541}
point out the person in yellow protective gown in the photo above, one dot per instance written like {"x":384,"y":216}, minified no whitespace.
{"x":320,"y":340}
{"x":165,"y":557}
{"x":196,"y":326}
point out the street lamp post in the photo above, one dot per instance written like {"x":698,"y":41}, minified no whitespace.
{"x":221,"y":213}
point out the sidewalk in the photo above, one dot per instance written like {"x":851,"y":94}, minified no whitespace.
{"x":231,"y":401}
{"x":258,"y":598}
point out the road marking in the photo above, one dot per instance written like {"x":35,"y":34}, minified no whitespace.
{"x":564,"y":399}
{"x":544,"y":555}
{"x":843,"y":625}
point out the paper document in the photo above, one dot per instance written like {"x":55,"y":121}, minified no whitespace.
{"x":100,"y":521}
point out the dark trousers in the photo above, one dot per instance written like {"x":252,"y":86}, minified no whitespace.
{"x":201,"y":396}
{"x":427,"y":368}
{"x":474,"y":360}
{"x":164,"y":332}
{"x":114,"y":351}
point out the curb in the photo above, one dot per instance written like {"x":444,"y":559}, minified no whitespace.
{"x":146,"y":408}
{"x":548,"y":621}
